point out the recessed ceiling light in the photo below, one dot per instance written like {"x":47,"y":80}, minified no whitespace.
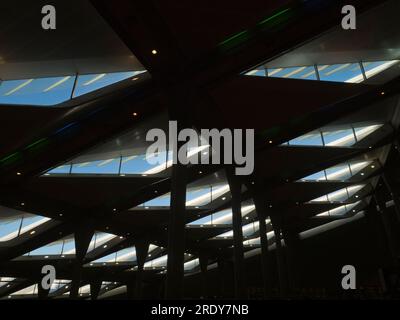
{"x":154,"y":51}
{"x":200,"y":172}
{"x":383,"y":93}
{"x":18,"y":173}
{"x":135,"y":78}
{"x":60,"y":214}
{"x":105,"y":246}
{"x":270,"y":141}
{"x":223,"y":198}
{"x":134,"y":114}
{"x":22,"y":203}
{"x":62,"y":256}
{"x":33,"y":232}
{"x":373,"y":167}
{"x":115,"y":209}
{"x":46,"y":257}
{"x":247,"y":218}
{"x":144,"y":175}
{"x":362,"y":173}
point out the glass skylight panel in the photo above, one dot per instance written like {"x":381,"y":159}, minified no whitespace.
{"x":373,"y":68}
{"x":195,"y":197}
{"x":339,"y":211}
{"x":41,"y":91}
{"x":341,"y":172}
{"x":31,"y":221}
{"x":157,"y":262}
{"x":124,"y":255}
{"x":58,"y":284}
{"x":260,"y":72}
{"x":303,"y":73}
{"x":311,"y":139}
{"x":107,"y":166}
{"x":84,"y":290}
{"x":222,"y":217}
{"x":12,"y":227}
{"x":190,"y":265}
{"x":248,"y":230}
{"x":9,"y":228}
{"x":141,"y":164}
{"x":91,"y":82}
{"x":339,"y":138}
{"x":362,"y":132}
{"x":61,"y":247}
{"x":5,"y":281}
{"x":31,"y":290}
{"x":99,"y":239}
{"x":63,"y":169}
{"x":347,"y":72}
{"x":334,"y":137}
{"x":339,"y":195}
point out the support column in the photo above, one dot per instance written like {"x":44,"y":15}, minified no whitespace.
{"x":236,"y":191}
{"x":203,"y":258}
{"x":82,"y":241}
{"x":42,"y":293}
{"x":221,"y":275}
{"x":393,"y":193}
{"x":280,"y":260}
{"x":142,"y":249}
{"x":292,"y":242}
{"x":378,"y":207}
{"x":176,"y":234}
{"x":261,"y":209}
{"x":95,"y":288}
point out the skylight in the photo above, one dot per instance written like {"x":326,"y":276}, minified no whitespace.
{"x":339,"y":195}
{"x":61,"y":248}
{"x":344,"y":137}
{"x":55,"y":90}
{"x":356,"y":72}
{"x":17,"y":224}
{"x":341,"y":172}
{"x":222,"y":217}
{"x":339,"y":211}
{"x":195,"y":197}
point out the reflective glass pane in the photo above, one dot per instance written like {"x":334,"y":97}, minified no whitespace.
{"x":260,"y":72}
{"x":65,"y":169}
{"x":348,"y":72}
{"x":108,"y":166}
{"x":9,"y":228}
{"x":91,"y":82}
{"x":31,"y":221}
{"x":339,"y":138}
{"x":373,"y":68}
{"x":362,"y":132}
{"x":340,"y":172}
{"x":311,"y":139}
{"x":303,"y":73}
{"x":42,"y":91}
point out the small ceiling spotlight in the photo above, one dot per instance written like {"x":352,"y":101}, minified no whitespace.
{"x":32,"y":232}
{"x":373,"y":167}
{"x":135,"y":114}
{"x":154,"y":51}
{"x":270,"y":141}
{"x":19,"y":173}
{"x":135,"y":78}
{"x":22,"y":203}
{"x":223,"y":198}
{"x":383,"y":93}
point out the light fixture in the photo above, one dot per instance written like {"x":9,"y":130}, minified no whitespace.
{"x":134,"y":114}
{"x":19,"y":173}
{"x":373,"y":167}
{"x":154,"y":51}
{"x":105,"y":246}
{"x":135,"y":78}
{"x":270,"y":141}
{"x":362,"y":173}
{"x":247,"y":218}
{"x":223,"y":198}
{"x":22,"y":203}
{"x":60,"y":214}
{"x":46,"y":257}
{"x":33,"y":232}
{"x":115,"y":209}
{"x":383,"y":93}
{"x":200,"y":172}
